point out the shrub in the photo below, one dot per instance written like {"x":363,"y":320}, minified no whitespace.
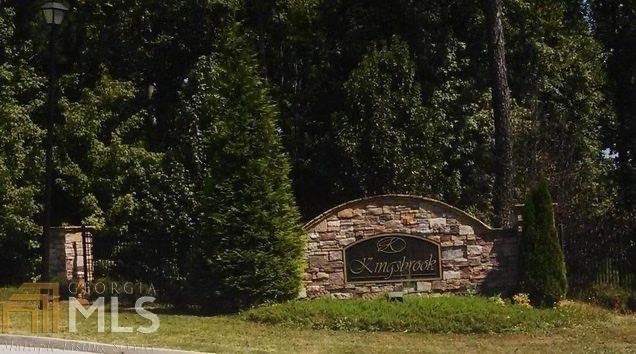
{"x":103,"y":268}
{"x":451,"y":314}
{"x":611,"y":296}
{"x":541,"y":258}
{"x":497,"y":300}
{"x":521,"y":299}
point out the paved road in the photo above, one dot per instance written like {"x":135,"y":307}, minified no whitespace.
{"x":29,"y":344}
{"x":4,"y":348}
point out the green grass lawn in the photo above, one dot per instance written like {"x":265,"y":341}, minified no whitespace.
{"x":588,"y":330}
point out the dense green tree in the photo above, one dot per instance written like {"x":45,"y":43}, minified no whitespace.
{"x":542,"y":263}
{"x":102,"y":135}
{"x":141,"y":42}
{"x":614,"y":24}
{"x":361,"y":112}
{"x":141,"y":202}
{"x":21,"y":155}
{"x":324,"y":41}
{"x":463,"y":106}
{"x":558,"y":87}
{"x":251,"y":244}
{"x":391,"y":144}
{"x":302,"y":63}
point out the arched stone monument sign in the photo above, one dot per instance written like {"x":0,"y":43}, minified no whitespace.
{"x":405,"y":243}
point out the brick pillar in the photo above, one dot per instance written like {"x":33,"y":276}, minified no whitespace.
{"x":63,"y":253}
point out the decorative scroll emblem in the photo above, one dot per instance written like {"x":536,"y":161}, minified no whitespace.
{"x":392,"y":257}
{"x":391,"y":245}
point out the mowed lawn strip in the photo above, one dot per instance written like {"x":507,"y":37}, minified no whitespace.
{"x":232,"y":333}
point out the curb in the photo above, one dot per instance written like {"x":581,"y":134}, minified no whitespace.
{"x":30,"y":343}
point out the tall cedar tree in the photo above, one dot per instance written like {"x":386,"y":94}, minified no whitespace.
{"x":542,"y":263}
{"x":503,"y":188}
{"x":251,"y":244}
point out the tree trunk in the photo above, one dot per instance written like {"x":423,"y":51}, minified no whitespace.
{"x":503,"y":188}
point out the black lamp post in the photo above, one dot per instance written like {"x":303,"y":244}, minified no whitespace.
{"x":53,"y":15}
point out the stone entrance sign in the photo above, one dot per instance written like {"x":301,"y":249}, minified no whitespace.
{"x":370,"y":246}
{"x":392,"y":257}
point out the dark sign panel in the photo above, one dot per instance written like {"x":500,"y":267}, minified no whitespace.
{"x":392,"y":257}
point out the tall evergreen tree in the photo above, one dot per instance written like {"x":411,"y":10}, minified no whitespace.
{"x":542,"y":263}
{"x":251,"y":244}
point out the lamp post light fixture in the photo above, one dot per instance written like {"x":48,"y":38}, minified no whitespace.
{"x":53,"y":13}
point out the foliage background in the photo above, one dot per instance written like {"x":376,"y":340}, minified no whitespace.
{"x":352,"y":97}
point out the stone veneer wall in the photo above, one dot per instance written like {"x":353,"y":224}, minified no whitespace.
{"x":474,"y":256}
{"x":62,"y":255}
